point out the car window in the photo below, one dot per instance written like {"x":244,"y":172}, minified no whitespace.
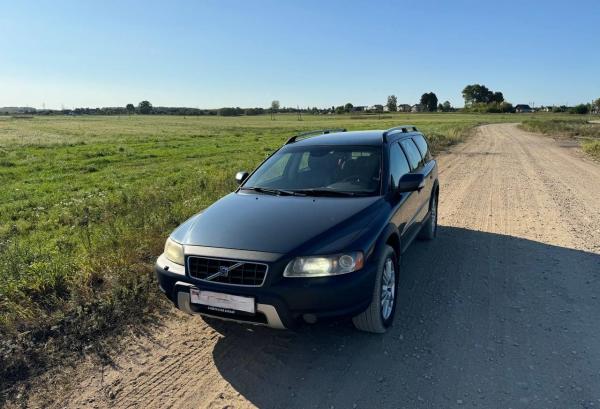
{"x":422,"y":145}
{"x":304,"y":162}
{"x":398,"y":164}
{"x":353,"y":169}
{"x":412,"y":153}
{"x":276,"y":170}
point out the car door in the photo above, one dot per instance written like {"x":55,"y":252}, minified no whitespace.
{"x":405,"y":204}
{"x":428,"y":172}
{"x":421,"y":197}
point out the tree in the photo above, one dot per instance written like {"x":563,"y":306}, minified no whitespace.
{"x":446,"y":106}
{"x":274,"y":107}
{"x":506,"y":107}
{"x":596,"y":106}
{"x":340,"y":109}
{"x":145,"y":107}
{"x":497,"y":97}
{"x":130,"y":109}
{"x":348,"y":107}
{"x":480,"y":94}
{"x":580,"y":109}
{"x":429,"y":101}
{"x":392,"y":103}
{"x":476,"y":93}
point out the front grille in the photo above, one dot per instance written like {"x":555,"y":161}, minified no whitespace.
{"x":247,"y":273}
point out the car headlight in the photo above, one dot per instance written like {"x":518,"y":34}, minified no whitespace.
{"x":324,"y":266}
{"x":174,"y":251}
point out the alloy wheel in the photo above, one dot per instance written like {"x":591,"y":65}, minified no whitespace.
{"x":388,"y":289}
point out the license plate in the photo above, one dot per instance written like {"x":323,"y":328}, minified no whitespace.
{"x":222,"y":302}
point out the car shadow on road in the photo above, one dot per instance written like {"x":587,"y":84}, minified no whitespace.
{"x":483,"y":319}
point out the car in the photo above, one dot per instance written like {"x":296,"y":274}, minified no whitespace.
{"x":316,"y":232}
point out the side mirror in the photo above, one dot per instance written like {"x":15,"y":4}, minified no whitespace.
{"x":240,"y":177}
{"x":411,"y":182}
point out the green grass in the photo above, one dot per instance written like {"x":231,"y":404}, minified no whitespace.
{"x":588,"y":134}
{"x":87,"y":202}
{"x":592,"y":148}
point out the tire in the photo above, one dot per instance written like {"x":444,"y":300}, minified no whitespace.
{"x":377,"y":317}
{"x":429,"y":228}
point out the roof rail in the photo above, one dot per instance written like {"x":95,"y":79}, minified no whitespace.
{"x":400,"y":128}
{"x":315,"y":132}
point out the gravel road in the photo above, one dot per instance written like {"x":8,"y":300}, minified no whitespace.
{"x":501,"y":311}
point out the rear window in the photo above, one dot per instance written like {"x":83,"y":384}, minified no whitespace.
{"x":422,"y":145}
{"x":398,"y":164}
{"x":412,"y":153}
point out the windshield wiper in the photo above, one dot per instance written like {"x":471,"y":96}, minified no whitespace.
{"x":269,"y":191}
{"x":327,"y":192}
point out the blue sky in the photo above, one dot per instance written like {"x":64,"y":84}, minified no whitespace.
{"x":319,"y":53}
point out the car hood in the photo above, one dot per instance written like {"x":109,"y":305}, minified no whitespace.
{"x":277,"y":224}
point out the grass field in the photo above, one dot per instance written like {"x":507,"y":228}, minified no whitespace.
{"x":87,"y":202}
{"x":588,"y":134}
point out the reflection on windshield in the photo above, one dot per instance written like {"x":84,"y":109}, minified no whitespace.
{"x":321,"y":170}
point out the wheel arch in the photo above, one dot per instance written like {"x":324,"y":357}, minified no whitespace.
{"x":389,"y":236}
{"x":393,"y":241}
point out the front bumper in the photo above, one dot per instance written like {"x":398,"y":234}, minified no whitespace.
{"x":281,"y":301}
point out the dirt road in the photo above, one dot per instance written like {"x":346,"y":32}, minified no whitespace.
{"x":501,"y":311}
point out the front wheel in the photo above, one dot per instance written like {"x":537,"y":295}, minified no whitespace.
{"x":380,"y":313}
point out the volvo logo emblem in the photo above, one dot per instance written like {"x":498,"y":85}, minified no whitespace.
{"x":223,"y":271}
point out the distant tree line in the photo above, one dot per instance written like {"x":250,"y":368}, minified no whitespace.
{"x":478,"y":98}
{"x":125,"y":111}
{"x":580,"y":109}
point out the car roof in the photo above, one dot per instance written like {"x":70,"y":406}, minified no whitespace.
{"x":370,"y":137}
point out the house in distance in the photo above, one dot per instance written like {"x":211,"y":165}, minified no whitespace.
{"x":523,"y":109}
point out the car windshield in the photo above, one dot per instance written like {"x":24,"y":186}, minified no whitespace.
{"x":320,"y":170}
